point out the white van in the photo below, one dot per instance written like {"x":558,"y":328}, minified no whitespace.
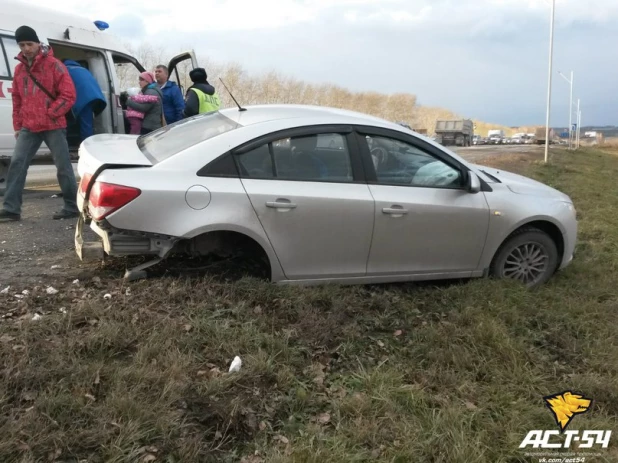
{"x":71,"y":37}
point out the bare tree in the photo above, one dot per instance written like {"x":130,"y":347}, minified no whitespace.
{"x":272,"y":87}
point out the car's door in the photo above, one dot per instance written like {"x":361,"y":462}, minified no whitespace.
{"x":175,"y":62}
{"x":425,"y":219}
{"x":311,"y":199}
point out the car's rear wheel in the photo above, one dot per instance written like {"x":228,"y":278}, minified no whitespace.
{"x":529,"y":256}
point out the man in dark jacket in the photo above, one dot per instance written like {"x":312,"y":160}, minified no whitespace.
{"x":90,"y":100}
{"x":201,"y":96}
{"x":173,"y":103}
{"x":43,"y":93}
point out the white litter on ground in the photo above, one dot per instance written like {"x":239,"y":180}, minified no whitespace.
{"x":236,"y":364}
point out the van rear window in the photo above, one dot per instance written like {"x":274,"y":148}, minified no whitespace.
{"x":172,"y":139}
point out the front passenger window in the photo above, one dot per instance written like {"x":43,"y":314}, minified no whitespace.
{"x":399,"y":163}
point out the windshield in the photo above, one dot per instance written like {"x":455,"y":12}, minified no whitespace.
{"x":172,"y":139}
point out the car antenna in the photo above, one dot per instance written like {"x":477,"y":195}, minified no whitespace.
{"x":240,"y":108}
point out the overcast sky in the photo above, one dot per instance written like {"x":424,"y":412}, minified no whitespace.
{"x":486,"y":59}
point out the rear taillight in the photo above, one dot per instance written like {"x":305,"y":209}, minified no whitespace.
{"x":106,"y":198}
{"x":84,"y":182}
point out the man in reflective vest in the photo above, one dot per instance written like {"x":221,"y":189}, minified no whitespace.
{"x":201,"y":96}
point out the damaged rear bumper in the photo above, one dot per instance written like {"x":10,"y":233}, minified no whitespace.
{"x":114,"y":242}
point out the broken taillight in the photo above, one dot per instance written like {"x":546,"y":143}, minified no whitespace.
{"x":84,"y":182}
{"x":106,"y":198}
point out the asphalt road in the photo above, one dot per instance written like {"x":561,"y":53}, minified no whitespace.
{"x":43,"y":175}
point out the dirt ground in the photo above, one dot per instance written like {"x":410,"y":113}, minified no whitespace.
{"x":39,"y":250}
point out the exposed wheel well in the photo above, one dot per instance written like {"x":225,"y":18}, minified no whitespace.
{"x":227,"y":244}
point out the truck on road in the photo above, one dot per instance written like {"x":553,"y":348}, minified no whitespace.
{"x":496,"y":137}
{"x":454,"y":132}
{"x":539,"y":136}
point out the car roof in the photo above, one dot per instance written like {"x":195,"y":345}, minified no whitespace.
{"x":256,"y":114}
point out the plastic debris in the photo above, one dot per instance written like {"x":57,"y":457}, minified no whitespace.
{"x":25,"y":292}
{"x":5,"y":290}
{"x":236,"y":364}
{"x":54,"y":267}
{"x":75,"y":282}
{"x":51,"y":290}
{"x":63,"y":310}
{"x":107,"y":296}
{"x":36,"y":317}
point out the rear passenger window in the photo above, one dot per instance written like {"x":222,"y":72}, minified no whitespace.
{"x":11,"y":50}
{"x":318,"y":157}
{"x":256,"y":163}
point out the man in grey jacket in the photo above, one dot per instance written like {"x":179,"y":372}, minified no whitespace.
{"x":153,"y":112}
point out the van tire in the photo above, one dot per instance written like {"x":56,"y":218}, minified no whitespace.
{"x":4,"y":170}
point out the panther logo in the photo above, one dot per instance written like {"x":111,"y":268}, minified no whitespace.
{"x":565,"y":406}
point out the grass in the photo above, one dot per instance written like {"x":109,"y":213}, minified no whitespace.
{"x":449,"y":372}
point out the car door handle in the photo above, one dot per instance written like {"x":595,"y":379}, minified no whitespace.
{"x":394,"y":211}
{"x":280,"y":205}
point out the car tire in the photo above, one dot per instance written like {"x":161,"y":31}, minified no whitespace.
{"x":529,"y":255}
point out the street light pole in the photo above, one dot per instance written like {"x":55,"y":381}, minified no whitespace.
{"x":570,"y":108}
{"x":579,"y":122}
{"x":551,"y":56}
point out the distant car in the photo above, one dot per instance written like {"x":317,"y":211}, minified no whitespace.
{"x":392,"y":205}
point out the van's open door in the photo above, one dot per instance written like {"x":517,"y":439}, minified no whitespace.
{"x":176,"y":60}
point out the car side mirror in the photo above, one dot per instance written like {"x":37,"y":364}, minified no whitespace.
{"x":474,"y":183}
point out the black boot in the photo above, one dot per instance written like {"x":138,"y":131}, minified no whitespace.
{"x":6,"y":216}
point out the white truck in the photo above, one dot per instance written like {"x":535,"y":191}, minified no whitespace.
{"x":71,"y":37}
{"x":496,"y":137}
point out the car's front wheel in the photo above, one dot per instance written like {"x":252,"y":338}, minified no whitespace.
{"x":529,"y":256}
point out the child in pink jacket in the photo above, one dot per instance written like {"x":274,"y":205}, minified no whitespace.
{"x":135,"y":117}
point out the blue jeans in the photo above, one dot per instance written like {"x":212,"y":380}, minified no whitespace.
{"x":28,"y":143}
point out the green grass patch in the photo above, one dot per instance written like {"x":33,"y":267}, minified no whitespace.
{"x":394,"y":373}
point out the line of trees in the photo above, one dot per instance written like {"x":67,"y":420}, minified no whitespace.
{"x":274,"y":87}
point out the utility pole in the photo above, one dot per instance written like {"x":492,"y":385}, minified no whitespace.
{"x":551,"y":56}
{"x":579,"y":124}
{"x":570,"y":108}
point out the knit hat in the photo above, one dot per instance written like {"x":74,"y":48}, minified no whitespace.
{"x":148,"y":76}
{"x":198,"y":75}
{"x":26,"y":34}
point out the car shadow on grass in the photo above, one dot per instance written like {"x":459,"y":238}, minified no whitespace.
{"x":233,"y":269}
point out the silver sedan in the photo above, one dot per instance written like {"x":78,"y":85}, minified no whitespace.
{"x":322,"y":195}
